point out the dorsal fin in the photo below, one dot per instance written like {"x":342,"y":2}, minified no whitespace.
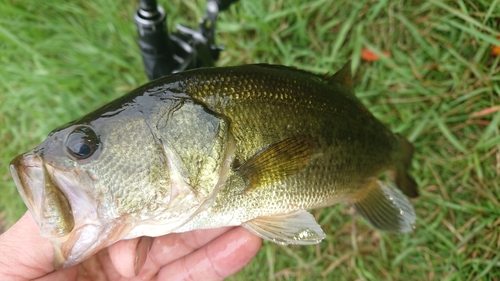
{"x":343,"y":77}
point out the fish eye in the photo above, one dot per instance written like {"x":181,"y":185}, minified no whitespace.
{"x":82,"y":143}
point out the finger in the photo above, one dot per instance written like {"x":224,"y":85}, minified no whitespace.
{"x":98,"y":267}
{"x":59,"y":275}
{"x":164,"y":250}
{"x":171,"y":247}
{"x":122,"y":255}
{"x":27,"y":255}
{"x":129,"y":256}
{"x":217,"y":260}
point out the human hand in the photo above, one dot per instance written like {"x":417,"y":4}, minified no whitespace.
{"x":197,"y":255}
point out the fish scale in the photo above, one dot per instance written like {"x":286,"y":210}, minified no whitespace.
{"x":254,"y":145}
{"x":319,"y":108}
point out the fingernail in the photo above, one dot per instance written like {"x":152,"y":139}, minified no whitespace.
{"x":141,"y":253}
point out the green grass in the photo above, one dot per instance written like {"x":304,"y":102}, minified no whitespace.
{"x":62,"y":59}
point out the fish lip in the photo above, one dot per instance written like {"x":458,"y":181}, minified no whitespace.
{"x":37,"y":188}
{"x":32,"y":175}
{"x":27,"y":172}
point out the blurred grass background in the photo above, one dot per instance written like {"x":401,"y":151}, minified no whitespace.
{"x":440,"y":87}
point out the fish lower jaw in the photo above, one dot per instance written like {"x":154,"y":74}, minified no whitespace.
{"x":27,"y":172}
{"x":86,"y":240}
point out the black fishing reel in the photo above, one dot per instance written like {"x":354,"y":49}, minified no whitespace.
{"x":165,"y":53}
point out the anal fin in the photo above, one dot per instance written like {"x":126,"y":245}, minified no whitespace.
{"x":298,"y":227}
{"x":385,"y":207}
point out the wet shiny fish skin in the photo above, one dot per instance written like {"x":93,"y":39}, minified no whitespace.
{"x":252,"y":145}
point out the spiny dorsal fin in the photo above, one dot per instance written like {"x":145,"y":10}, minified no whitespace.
{"x":278,"y":161}
{"x":343,"y":77}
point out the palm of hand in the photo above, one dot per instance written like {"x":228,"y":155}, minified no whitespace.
{"x":198,"y":255}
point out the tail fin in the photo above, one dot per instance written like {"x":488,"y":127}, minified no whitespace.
{"x":403,"y":180}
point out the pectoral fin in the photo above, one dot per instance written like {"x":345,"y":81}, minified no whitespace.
{"x":278,"y":161}
{"x":298,"y":227}
{"x":385,"y":207}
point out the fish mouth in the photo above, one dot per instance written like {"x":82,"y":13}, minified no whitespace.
{"x":47,"y":203}
{"x":27,"y":172}
{"x":64,"y":213}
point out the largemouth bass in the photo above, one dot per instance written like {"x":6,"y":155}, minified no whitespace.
{"x":253,"y":145}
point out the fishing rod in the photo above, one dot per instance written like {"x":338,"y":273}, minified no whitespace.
{"x":165,"y":53}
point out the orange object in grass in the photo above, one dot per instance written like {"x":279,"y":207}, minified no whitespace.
{"x":495,"y":50}
{"x":368,"y":55}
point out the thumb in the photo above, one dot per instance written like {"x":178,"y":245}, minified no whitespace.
{"x":24,"y":254}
